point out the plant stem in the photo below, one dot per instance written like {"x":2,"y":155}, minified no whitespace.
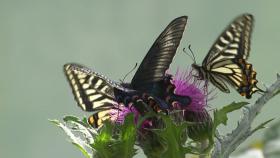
{"x":224,"y":146}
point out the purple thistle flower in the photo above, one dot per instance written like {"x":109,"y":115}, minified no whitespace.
{"x":187,"y":85}
{"x":120,"y":111}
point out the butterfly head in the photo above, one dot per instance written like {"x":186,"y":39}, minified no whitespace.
{"x":200,"y":74}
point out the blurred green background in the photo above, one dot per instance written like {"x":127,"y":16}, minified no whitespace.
{"x":38,"y":37}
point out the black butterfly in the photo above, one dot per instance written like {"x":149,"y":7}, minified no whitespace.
{"x":226,"y":62}
{"x":94,"y":92}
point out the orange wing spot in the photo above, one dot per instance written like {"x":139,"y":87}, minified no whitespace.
{"x":253,"y":81}
{"x":91,"y":120}
{"x":253,"y":74}
{"x":249,"y":66}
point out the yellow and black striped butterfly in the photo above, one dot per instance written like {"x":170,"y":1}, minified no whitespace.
{"x":94,"y":92}
{"x":226,"y":62}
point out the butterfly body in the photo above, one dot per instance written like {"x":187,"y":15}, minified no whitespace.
{"x":226,"y":62}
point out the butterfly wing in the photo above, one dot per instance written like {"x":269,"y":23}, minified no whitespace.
{"x":227,"y":59}
{"x":92,"y":91}
{"x":160,"y":55}
{"x":234,"y":42}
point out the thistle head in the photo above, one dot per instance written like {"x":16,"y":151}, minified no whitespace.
{"x":187,"y":85}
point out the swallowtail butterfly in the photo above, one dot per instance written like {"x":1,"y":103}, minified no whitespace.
{"x":226,"y":62}
{"x":150,"y":84}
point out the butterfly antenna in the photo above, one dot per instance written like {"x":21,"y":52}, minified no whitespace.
{"x":128,"y":73}
{"x":192,"y":54}
{"x":184,"y":50}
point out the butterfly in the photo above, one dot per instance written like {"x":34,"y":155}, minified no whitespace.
{"x":226,"y":62}
{"x":150,"y":85}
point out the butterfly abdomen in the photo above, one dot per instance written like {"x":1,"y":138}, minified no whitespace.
{"x":133,"y":98}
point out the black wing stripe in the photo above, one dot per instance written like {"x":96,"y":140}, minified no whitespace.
{"x":96,"y":119}
{"x":160,"y":55}
{"x":173,"y":34}
{"x":248,"y":25}
{"x":176,"y":23}
{"x":221,"y":63}
{"x":235,"y":81}
{"x":92,"y":91}
{"x":219,"y":83}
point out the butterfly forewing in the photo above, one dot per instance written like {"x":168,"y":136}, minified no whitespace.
{"x":160,"y":55}
{"x":92,"y":91}
{"x":234,"y":42}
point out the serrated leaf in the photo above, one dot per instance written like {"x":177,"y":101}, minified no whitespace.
{"x":56,"y":122}
{"x":220,"y":116}
{"x":128,"y":137}
{"x":82,"y":145}
{"x":70,"y":118}
{"x":171,"y":135}
{"x":115,"y":139}
{"x":103,"y":141}
{"x":261,"y":126}
{"x":85,"y":120}
{"x":84,"y":152}
{"x":76,"y":120}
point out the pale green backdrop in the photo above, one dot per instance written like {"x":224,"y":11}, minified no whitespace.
{"x":38,"y":37}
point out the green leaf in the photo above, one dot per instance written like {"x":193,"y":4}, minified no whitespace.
{"x":172,"y":137}
{"x":261,"y":126}
{"x":76,"y":120}
{"x":84,"y":152}
{"x":75,"y":140}
{"x":115,"y":139}
{"x":127,"y":137}
{"x":56,"y":122}
{"x":220,"y":116}
{"x":103,"y":141}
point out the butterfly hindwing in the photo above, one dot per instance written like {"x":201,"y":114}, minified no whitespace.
{"x":97,"y":118}
{"x":157,"y":60}
{"x":92,"y":91}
